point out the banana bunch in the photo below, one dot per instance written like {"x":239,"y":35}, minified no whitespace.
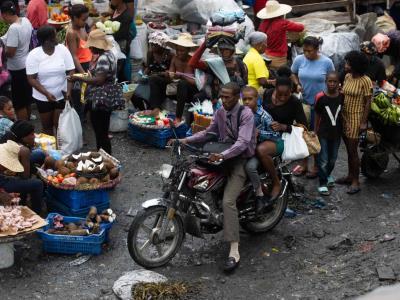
{"x":382,"y":101}
{"x":386,"y":111}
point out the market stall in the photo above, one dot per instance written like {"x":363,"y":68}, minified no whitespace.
{"x":16,"y":222}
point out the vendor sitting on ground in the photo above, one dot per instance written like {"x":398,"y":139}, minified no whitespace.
{"x":23,"y":133}
{"x":159,"y":55}
{"x":179,"y":74}
{"x":234,"y":66}
{"x":12,"y":182}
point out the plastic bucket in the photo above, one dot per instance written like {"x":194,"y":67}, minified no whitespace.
{"x":6,"y":255}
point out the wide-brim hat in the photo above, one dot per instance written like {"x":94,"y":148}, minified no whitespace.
{"x":98,"y":39}
{"x":274,"y":9}
{"x":184,"y":39}
{"x":9,"y":156}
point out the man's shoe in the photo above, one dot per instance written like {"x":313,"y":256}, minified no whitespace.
{"x":231,"y":264}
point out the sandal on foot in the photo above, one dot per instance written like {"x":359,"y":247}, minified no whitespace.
{"x":331,"y":181}
{"x":323,"y":191}
{"x":343,"y":181}
{"x":299,"y":171}
{"x":353,"y":190}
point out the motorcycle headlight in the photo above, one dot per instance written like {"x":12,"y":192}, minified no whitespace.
{"x":166,"y":171}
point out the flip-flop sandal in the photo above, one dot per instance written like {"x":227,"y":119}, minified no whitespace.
{"x":311,"y":175}
{"x":323,"y":191}
{"x":298,"y":171}
{"x":331,"y":181}
{"x":343,"y":181}
{"x":353,"y":190}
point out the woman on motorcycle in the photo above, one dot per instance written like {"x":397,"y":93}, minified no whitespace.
{"x":285,"y":109}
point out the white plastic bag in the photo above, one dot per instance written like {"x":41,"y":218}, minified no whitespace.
{"x":119,"y":120}
{"x":136,"y":48}
{"x":69,"y":133}
{"x":295,"y":147}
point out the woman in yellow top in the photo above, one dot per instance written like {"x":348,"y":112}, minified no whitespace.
{"x":357,"y":91}
{"x":257,"y":70}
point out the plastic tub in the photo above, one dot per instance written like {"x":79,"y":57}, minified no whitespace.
{"x":68,"y":244}
{"x":56,"y":206}
{"x":79,"y":199}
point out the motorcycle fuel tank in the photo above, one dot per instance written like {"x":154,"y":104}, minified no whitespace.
{"x":203,"y":180}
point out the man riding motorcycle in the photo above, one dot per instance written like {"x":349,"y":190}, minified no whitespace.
{"x":234,"y":125}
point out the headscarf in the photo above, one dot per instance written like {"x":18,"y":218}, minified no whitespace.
{"x":159,"y":38}
{"x":368,"y":48}
{"x":381,"y":41}
{"x":257,"y":37}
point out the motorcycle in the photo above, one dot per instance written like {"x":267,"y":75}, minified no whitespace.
{"x":192,"y":203}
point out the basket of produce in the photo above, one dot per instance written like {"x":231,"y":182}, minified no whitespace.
{"x":109,"y":27}
{"x":154,"y":132}
{"x":71,"y":235}
{"x":202,"y":120}
{"x":81,"y":172}
{"x":59,"y":19}
{"x":154,"y":17}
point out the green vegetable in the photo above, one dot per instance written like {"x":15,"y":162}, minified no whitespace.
{"x":3,"y":28}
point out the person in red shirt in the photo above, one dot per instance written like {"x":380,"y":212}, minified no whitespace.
{"x":276,"y":26}
{"x":258,"y":5}
{"x":37,"y":14}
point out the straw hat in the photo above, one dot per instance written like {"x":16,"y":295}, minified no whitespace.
{"x":274,"y":9}
{"x":98,"y":39}
{"x":9,"y":156}
{"x":184,"y":40}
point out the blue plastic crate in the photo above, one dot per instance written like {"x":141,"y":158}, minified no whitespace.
{"x":68,"y":244}
{"x":155,"y":137}
{"x":79,"y":199}
{"x":53,"y":205}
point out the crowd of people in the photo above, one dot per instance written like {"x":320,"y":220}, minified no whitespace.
{"x":334,"y":105}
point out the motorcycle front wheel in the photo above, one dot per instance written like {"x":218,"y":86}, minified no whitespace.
{"x":144,"y":243}
{"x":271,"y":218}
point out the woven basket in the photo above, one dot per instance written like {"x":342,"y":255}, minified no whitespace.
{"x":144,"y":126}
{"x":87,"y":186}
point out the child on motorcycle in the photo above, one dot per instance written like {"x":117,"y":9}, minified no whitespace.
{"x":264,"y":132}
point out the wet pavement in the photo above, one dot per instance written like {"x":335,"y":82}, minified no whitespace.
{"x":336,"y":248}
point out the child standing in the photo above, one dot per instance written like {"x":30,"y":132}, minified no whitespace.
{"x":7,"y":115}
{"x":328,"y":106}
{"x":264,"y":132}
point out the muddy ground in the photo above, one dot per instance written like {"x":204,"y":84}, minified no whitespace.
{"x":331,"y":252}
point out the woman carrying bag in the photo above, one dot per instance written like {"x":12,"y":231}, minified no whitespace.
{"x":103,"y":93}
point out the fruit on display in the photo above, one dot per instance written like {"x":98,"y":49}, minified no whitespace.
{"x":109,"y":27}
{"x":60,"y":17}
{"x":385,"y":110}
{"x":157,"y":25}
{"x":78,"y":169}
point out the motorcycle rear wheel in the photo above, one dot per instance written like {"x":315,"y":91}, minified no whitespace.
{"x":270,"y":219}
{"x":142,"y":254}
